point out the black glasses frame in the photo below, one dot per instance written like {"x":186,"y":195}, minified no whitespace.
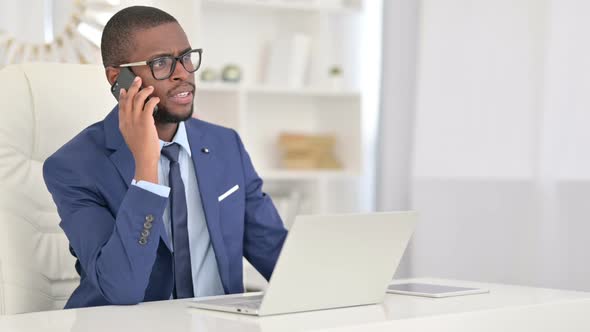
{"x":173,"y":67}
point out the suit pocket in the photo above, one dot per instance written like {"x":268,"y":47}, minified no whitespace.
{"x":227,"y":193}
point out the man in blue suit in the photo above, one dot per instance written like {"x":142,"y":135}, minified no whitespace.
{"x":159,"y":205}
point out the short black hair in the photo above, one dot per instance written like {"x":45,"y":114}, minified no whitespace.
{"x":117,"y":35}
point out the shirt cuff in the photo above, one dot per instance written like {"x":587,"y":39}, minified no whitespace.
{"x":157,"y":189}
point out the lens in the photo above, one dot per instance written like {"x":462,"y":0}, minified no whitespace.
{"x":191,"y":61}
{"x":162,"y":67}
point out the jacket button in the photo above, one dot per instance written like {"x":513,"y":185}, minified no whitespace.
{"x":145,"y":233}
{"x":147,"y":225}
{"x":143,"y":241}
{"x":149,"y":218}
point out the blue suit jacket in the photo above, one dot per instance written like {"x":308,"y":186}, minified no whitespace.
{"x":102,"y":214}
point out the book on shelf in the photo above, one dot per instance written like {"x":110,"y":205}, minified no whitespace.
{"x":303,"y":151}
{"x":288,"y":61}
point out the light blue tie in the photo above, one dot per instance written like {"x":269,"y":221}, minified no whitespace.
{"x":183,"y":280}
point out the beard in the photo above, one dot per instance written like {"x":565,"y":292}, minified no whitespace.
{"x":163,"y":115}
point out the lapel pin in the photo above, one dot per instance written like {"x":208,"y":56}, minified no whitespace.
{"x":205,"y":150}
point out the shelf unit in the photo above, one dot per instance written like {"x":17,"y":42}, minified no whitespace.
{"x":238,"y":32}
{"x":261,"y":114}
{"x":342,"y":32}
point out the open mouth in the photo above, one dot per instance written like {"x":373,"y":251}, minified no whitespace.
{"x":182,"y":98}
{"x":182,"y":94}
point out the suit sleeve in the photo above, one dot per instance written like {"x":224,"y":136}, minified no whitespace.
{"x":264,"y":232}
{"x":109,"y":248}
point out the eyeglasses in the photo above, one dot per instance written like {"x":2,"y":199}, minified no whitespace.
{"x":163,"y":67}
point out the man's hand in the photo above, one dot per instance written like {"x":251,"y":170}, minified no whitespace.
{"x":139,"y":130}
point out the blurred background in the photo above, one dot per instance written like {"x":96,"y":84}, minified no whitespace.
{"x":472,"y":112}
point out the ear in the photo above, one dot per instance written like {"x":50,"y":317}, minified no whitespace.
{"x":112,"y":74}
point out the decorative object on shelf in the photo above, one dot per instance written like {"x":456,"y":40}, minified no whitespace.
{"x":77,"y":42}
{"x":209,"y":75}
{"x":231,"y":73}
{"x":302,"y":151}
{"x":336,"y":79}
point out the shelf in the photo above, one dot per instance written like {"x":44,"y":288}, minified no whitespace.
{"x":276,"y":91}
{"x":283,"y":5}
{"x":242,"y":32}
{"x":218,"y":87}
{"x":309,"y":92}
{"x":281,"y":174}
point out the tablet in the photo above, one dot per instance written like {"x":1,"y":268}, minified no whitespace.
{"x":432,"y":290}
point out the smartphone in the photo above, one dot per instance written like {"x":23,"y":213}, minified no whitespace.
{"x":124,"y":81}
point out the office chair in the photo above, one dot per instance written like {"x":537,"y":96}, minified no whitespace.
{"x":43,"y":106}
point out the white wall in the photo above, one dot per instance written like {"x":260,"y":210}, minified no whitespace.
{"x":400,"y":34}
{"x":396,"y":118}
{"x":501,"y":165}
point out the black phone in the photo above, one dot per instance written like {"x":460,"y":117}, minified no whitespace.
{"x":124,"y":81}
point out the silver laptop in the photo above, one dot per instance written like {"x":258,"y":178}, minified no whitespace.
{"x":328,"y":261}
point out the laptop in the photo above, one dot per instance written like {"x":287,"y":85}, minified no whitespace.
{"x":328,"y":261}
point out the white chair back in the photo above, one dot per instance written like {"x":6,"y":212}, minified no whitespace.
{"x":42,"y":106}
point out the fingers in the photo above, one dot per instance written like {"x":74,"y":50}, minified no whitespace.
{"x":123,"y":111}
{"x":148,"y":109}
{"x":126,"y":96}
{"x":140,"y":98}
{"x":135,"y":86}
{"x":133,"y":101}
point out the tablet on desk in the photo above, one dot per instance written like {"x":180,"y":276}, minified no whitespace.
{"x":432,"y":290}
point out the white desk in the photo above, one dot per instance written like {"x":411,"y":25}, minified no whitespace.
{"x":505,"y":308}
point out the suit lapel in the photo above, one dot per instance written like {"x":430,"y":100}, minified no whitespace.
{"x":209,"y":169}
